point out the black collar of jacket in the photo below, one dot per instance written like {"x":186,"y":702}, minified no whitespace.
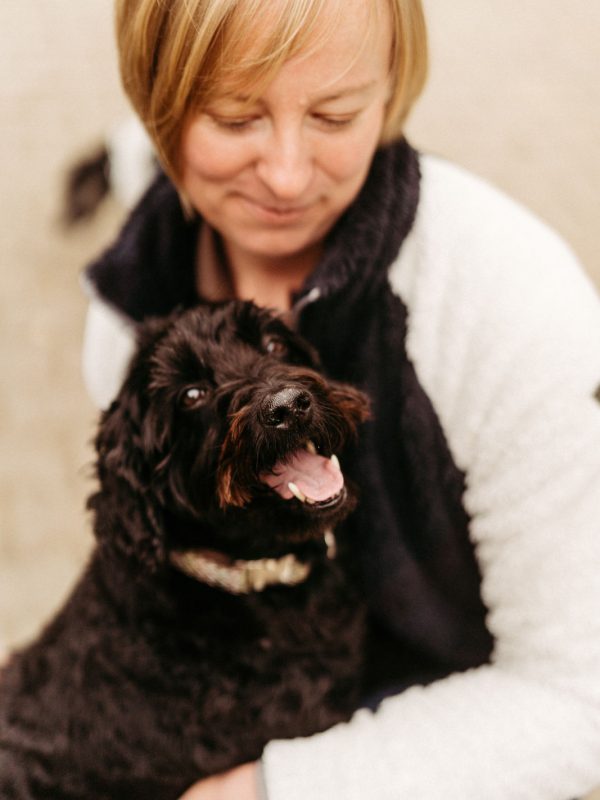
{"x":149,"y":270}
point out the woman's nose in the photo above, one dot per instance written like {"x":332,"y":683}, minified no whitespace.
{"x":286,"y":165}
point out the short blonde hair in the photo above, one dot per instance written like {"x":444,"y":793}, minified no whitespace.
{"x":173,"y":53}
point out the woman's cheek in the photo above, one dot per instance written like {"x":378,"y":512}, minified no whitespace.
{"x":351,"y":157}
{"x":214,"y":155}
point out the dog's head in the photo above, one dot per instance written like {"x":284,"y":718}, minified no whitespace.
{"x":226,"y":428}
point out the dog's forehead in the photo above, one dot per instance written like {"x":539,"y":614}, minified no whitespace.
{"x":216,"y":340}
{"x":226,"y":325}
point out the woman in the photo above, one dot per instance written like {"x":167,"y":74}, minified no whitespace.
{"x":280,"y":127}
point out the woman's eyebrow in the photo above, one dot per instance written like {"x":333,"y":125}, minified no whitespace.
{"x":360,"y":88}
{"x":349,"y":90}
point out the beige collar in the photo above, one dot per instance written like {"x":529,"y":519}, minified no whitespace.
{"x":243,"y":577}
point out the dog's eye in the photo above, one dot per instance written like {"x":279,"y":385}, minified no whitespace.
{"x":194,"y":396}
{"x":275,"y":346}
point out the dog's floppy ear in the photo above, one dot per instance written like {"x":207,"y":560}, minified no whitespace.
{"x":128,"y":517}
{"x":354,"y":404}
{"x":119,"y":443}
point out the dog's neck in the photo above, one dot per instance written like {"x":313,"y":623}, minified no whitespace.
{"x":243,"y":577}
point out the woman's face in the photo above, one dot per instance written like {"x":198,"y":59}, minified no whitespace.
{"x":273,"y":179}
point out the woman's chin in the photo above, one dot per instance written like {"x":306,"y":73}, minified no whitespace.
{"x":276,"y":247}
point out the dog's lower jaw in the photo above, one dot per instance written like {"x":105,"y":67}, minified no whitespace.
{"x":317,"y":506}
{"x":267,"y":527}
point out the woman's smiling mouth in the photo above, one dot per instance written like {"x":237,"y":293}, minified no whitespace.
{"x":275,"y":213}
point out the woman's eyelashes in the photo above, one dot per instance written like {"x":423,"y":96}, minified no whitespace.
{"x":242,"y":124}
{"x":233,"y":124}
{"x":335,"y":121}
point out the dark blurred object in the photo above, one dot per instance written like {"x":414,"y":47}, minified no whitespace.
{"x":123,"y":166}
{"x":86,"y":186}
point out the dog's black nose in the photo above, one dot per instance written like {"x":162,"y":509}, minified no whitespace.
{"x":286,"y":407}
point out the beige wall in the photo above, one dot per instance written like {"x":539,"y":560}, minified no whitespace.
{"x":514,"y":95}
{"x":58,"y":92}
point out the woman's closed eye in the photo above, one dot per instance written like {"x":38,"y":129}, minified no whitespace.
{"x":334,"y":121}
{"x":244,"y":123}
{"x":234,"y":124}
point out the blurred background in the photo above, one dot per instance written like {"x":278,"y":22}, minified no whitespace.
{"x":514,"y":95}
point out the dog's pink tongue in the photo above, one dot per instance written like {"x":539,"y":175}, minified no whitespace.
{"x":318,"y":478}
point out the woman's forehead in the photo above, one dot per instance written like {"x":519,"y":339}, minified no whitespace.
{"x":343,"y":39}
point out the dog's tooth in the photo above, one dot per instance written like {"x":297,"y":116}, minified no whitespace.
{"x":296,"y":492}
{"x":335,"y":461}
{"x":310,"y":446}
{"x":331,"y":544}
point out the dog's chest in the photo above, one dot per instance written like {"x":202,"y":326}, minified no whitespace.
{"x":156,"y":704}
{"x":279,"y":664}
{"x":288,"y":662}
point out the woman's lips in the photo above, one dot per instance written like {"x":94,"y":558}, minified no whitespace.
{"x":275,"y":213}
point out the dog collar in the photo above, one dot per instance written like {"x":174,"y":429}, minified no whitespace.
{"x":242,"y":577}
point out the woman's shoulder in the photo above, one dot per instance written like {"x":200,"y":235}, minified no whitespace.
{"x":463,"y":211}
{"x":498,"y":305}
{"x":471,"y":241}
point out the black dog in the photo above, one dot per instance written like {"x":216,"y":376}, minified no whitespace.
{"x":214,"y":615}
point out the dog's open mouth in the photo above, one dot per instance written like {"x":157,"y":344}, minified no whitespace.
{"x":312,"y":479}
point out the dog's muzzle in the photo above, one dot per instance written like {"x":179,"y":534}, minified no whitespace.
{"x":304,"y":474}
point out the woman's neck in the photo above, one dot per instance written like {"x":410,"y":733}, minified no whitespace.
{"x":224,"y":272}
{"x":269,"y":282}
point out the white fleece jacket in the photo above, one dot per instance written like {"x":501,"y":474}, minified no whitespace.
{"x":504,"y":332}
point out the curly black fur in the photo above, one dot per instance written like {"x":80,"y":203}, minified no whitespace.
{"x":148,"y":680}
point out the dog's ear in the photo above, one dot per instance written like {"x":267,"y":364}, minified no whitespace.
{"x":123,"y":444}
{"x":119,"y":443}
{"x":354,"y":404}
{"x":128,"y":517}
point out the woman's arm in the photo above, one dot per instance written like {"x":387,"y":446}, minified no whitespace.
{"x":108,"y":345}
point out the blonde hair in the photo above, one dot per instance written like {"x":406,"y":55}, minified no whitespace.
{"x":174,"y":54}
